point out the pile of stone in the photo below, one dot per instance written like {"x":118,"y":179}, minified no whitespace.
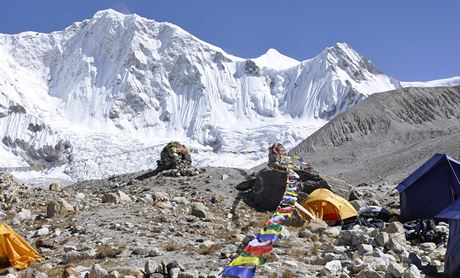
{"x":175,"y":161}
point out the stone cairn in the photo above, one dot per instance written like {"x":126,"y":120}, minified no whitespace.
{"x":175,"y":161}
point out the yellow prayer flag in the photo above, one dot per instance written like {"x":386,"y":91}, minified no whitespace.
{"x":246,"y":261}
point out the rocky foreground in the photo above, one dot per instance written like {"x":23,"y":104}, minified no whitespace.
{"x":191,"y":226}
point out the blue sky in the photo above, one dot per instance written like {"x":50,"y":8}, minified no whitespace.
{"x":412,"y":40}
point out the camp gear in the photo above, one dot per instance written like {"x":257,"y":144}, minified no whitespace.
{"x":328,"y":206}
{"x":452,"y":257}
{"x":302,"y":209}
{"x":374,"y":212}
{"x":347,"y":224}
{"x":424,"y":230}
{"x":427,"y":269}
{"x":430,"y":188}
{"x":13,"y":247}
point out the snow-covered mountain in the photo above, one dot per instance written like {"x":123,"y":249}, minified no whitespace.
{"x":445,"y":82}
{"x":96,"y":94}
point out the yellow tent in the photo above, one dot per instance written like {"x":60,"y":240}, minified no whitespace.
{"x":328,"y":206}
{"x":18,"y":252}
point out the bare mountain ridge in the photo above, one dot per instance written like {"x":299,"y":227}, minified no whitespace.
{"x":387,"y":136}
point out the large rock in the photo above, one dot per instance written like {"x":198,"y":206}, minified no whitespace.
{"x":271,"y":183}
{"x":395,"y":228}
{"x":396,"y":270}
{"x":364,"y":249}
{"x":111,"y":198}
{"x":382,"y":238}
{"x":269,"y":188}
{"x":395,"y":245}
{"x":412,"y":272}
{"x":332,"y":268}
{"x":370,"y":274}
{"x":316,"y":225}
{"x":201,"y":211}
{"x":58,"y":207}
{"x":98,"y":271}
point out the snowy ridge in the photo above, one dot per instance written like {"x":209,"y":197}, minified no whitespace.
{"x":118,"y":82}
{"x":446,"y":82}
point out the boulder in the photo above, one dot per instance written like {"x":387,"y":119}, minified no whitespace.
{"x":151,"y":267}
{"x":217,"y":198}
{"x":69,"y":272}
{"x":124,"y":197}
{"x":382,"y":238}
{"x":201,"y":211}
{"x":24,"y":214}
{"x":270,"y":185}
{"x":427,"y":246}
{"x":355,"y":194}
{"x":396,"y":270}
{"x":395,"y":227}
{"x":316,"y":225}
{"x":269,"y":188}
{"x":111,"y":198}
{"x":98,"y":271}
{"x":332,"y":232}
{"x":58,"y":207}
{"x":160,"y":196}
{"x":188,"y":274}
{"x":370,"y":274}
{"x":333,"y":267}
{"x":412,"y":272}
{"x":394,"y":245}
{"x":56,"y":187}
{"x":364,"y":249}
{"x":270,"y":182}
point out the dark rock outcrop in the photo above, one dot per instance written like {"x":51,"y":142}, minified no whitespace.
{"x":270,"y":182}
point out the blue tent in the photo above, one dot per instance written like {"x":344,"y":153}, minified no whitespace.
{"x":452,"y":257}
{"x":430,"y":189}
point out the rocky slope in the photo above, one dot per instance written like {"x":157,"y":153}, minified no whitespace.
{"x":387,"y":136}
{"x":118,"y":82}
{"x":127,"y":226}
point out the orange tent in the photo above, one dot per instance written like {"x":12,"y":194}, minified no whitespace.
{"x":328,"y":206}
{"x":19,"y":253}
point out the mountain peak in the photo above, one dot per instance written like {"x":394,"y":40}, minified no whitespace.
{"x":108,"y":13}
{"x":273,"y":59}
{"x":273,"y":51}
{"x":342,"y":49}
{"x":345,"y":57}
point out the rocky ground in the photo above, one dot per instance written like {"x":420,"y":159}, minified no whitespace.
{"x":192,"y":226}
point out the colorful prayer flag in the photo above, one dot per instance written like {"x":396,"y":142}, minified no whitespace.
{"x":248,"y":261}
{"x":238,"y":271}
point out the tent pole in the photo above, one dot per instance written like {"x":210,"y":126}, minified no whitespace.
{"x":455,"y":174}
{"x":298,"y":206}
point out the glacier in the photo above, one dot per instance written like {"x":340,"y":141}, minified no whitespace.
{"x":103,"y":96}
